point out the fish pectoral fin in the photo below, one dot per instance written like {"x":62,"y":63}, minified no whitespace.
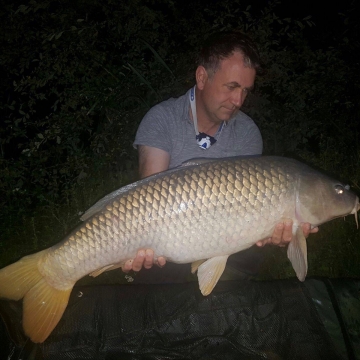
{"x":209,"y":273}
{"x":297,"y":254}
{"x":106,"y":268}
{"x":195,"y":265}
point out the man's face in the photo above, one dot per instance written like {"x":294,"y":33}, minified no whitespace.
{"x":223,"y":93}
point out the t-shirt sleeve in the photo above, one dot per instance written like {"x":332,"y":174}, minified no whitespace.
{"x":248,"y":136}
{"x":154,"y":130}
{"x":253,"y":143}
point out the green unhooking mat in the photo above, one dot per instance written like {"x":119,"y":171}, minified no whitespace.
{"x":283,"y":319}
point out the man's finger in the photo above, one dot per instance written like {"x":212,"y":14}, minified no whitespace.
{"x":314,"y":230}
{"x":287,"y":233}
{"x":127,"y":266}
{"x":149,"y":259}
{"x":262,"y":243}
{"x":160,"y":261}
{"x":306,"y":227}
{"x":139,"y":260}
{"x":277,"y":234}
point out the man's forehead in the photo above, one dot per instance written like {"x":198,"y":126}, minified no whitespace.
{"x":234,"y":68}
{"x":236,"y":84}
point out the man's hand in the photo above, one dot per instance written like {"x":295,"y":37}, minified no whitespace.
{"x":144,"y":258}
{"x":282,"y":234}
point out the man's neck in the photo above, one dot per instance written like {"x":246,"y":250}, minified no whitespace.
{"x":205,"y":124}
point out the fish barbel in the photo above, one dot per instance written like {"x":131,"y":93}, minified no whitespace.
{"x":199,"y":213}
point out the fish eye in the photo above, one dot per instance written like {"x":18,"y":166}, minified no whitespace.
{"x":339,"y":189}
{"x":347,"y":187}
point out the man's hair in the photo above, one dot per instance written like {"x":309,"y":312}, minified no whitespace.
{"x":220,"y":46}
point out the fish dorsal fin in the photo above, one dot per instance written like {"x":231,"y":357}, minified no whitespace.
{"x":98,"y":206}
{"x":197,"y":161}
{"x":297,"y":254}
{"x":201,"y":161}
{"x":209,"y":273}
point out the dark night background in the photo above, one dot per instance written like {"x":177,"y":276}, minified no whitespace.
{"x":78,"y":76}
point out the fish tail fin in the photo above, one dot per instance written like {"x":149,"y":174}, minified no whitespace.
{"x":43,"y":304}
{"x":43,"y":308}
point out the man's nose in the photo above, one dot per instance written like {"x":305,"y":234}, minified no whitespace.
{"x":238,"y":97}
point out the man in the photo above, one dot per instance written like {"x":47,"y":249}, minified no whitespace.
{"x":206,"y":122}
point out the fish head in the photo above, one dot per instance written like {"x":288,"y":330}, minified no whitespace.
{"x":320,"y":199}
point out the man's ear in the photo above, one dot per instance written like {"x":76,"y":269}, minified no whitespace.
{"x":201,"y":76}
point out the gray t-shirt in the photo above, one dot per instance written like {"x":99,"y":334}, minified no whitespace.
{"x":168,"y":126}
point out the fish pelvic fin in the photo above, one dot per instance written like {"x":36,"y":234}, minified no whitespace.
{"x":43,"y":305}
{"x":209,"y":273}
{"x":297,"y":254}
{"x":106,"y":268}
{"x":195,"y":265}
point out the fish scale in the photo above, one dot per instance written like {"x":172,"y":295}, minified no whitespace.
{"x":200,"y":213}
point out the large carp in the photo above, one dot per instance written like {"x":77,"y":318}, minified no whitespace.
{"x":198,"y":213}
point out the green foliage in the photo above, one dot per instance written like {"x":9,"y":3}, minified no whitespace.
{"x":77,"y":77}
{"x":66,"y":69}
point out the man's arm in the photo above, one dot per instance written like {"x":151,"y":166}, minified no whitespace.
{"x":152,"y":160}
